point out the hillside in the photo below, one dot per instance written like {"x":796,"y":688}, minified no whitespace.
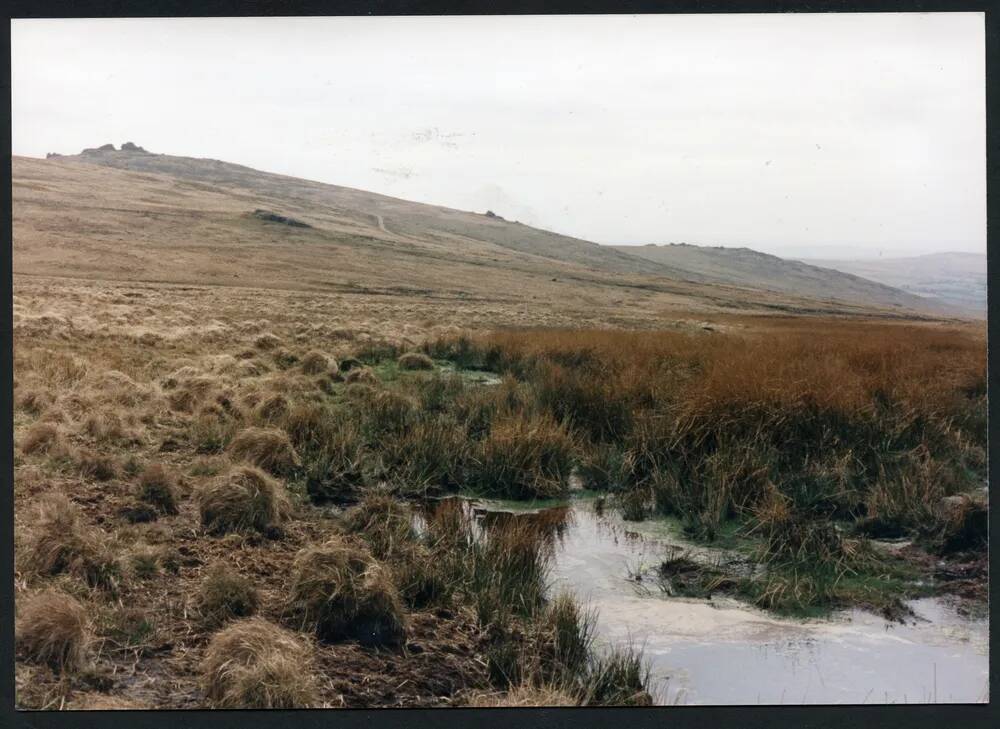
{"x":956,"y":279}
{"x":135,"y":216}
{"x":753,"y":269}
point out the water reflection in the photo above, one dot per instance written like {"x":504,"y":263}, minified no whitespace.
{"x":547,"y":526}
{"x":720,"y":651}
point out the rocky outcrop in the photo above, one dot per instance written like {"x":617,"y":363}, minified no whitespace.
{"x":97,"y":150}
{"x":130,"y":147}
{"x":275,"y":218}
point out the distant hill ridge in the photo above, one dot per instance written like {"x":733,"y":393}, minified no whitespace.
{"x":955,"y":278}
{"x":186,"y":219}
{"x":753,"y":269}
{"x":399,"y":215}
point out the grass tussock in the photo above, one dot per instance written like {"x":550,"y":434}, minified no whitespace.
{"x":361,"y":375}
{"x":317,"y":363}
{"x":95,"y":465}
{"x":388,"y":413}
{"x":255,"y":664}
{"x":267,"y":341}
{"x":266,"y":448}
{"x":53,"y":629}
{"x":337,"y":463}
{"x":415,"y":361}
{"x":339,"y":591}
{"x":59,"y":542}
{"x":272,"y":409}
{"x":224,"y":595}
{"x":384,"y":521}
{"x":244,"y":499}
{"x":40,"y":438}
{"x":157,"y":486}
{"x":961,"y":526}
{"x":619,"y":677}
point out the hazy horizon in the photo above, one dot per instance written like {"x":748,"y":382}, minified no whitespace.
{"x":807,"y":136}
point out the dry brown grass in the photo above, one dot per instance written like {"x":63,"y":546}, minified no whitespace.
{"x":95,"y":465}
{"x":385,"y":522}
{"x":272,"y":409}
{"x":524,"y":695}
{"x":361,"y":375}
{"x":158,"y":487}
{"x":192,"y":393}
{"x":839,"y":364}
{"x":40,"y":438}
{"x":267,"y":341}
{"x":101,"y":362}
{"x":243,"y":499}
{"x":255,"y":664}
{"x":59,"y":542}
{"x":266,"y":448}
{"x":32,"y":401}
{"x":53,"y":628}
{"x":317,"y":363}
{"x":877,"y":416}
{"x":339,"y":591}
{"x":224,"y":594}
{"x":94,"y":701}
{"x":107,"y":428}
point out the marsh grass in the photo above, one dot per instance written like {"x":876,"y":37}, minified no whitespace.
{"x":384,"y":521}
{"x":523,"y":458}
{"x":535,"y":642}
{"x":790,"y":441}
{"x":825,"y":418}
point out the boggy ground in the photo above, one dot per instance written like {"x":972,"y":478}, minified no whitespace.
{"x":222,"y":494}
{"x":167,"y":441}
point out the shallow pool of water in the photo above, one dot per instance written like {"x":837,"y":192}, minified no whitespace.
{"x":722,"y":651}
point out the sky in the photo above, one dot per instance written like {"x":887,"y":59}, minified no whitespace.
{"x":828,"y":135}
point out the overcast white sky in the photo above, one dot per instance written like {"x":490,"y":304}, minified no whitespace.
{"x":800,"y":135}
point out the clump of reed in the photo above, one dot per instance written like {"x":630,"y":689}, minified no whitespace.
{"x":40,"y":438}
{"x":336,"y":460}
{"x":317,"y":363}
{"x":522,"y":458}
